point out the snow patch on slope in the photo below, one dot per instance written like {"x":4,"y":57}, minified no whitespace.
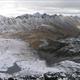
{"x":12,"y":50}
{"x":16,"y":50}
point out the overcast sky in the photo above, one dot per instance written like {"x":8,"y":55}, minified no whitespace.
{"x":19,"y":7}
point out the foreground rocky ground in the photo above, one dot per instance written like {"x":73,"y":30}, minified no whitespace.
{"x":48,"y":76}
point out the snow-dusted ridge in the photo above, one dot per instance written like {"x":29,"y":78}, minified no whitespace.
{"x":28,"y":22}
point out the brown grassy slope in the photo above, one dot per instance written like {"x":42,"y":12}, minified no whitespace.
{"x":35,"y":36}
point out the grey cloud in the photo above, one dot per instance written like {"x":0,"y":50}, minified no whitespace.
{"x":50,"y":6}
{"x":52,"y":3}
{"x":16,"y":7}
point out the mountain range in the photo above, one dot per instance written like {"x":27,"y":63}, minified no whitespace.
{"x":47,"y":42}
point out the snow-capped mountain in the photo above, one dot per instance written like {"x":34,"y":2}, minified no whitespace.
{"x":28,"y":22}
{"x":39,"y":43}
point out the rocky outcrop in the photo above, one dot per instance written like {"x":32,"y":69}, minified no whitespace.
{"x":60,"y":50}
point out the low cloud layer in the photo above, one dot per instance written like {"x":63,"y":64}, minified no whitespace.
{"x":18,"y":7}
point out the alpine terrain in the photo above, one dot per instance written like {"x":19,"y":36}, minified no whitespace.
{"x":40,"y":47}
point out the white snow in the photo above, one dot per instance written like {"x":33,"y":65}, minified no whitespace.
{"x":44,"y":43}
{"x":16,"y":50}
{"x":12,"y":50}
